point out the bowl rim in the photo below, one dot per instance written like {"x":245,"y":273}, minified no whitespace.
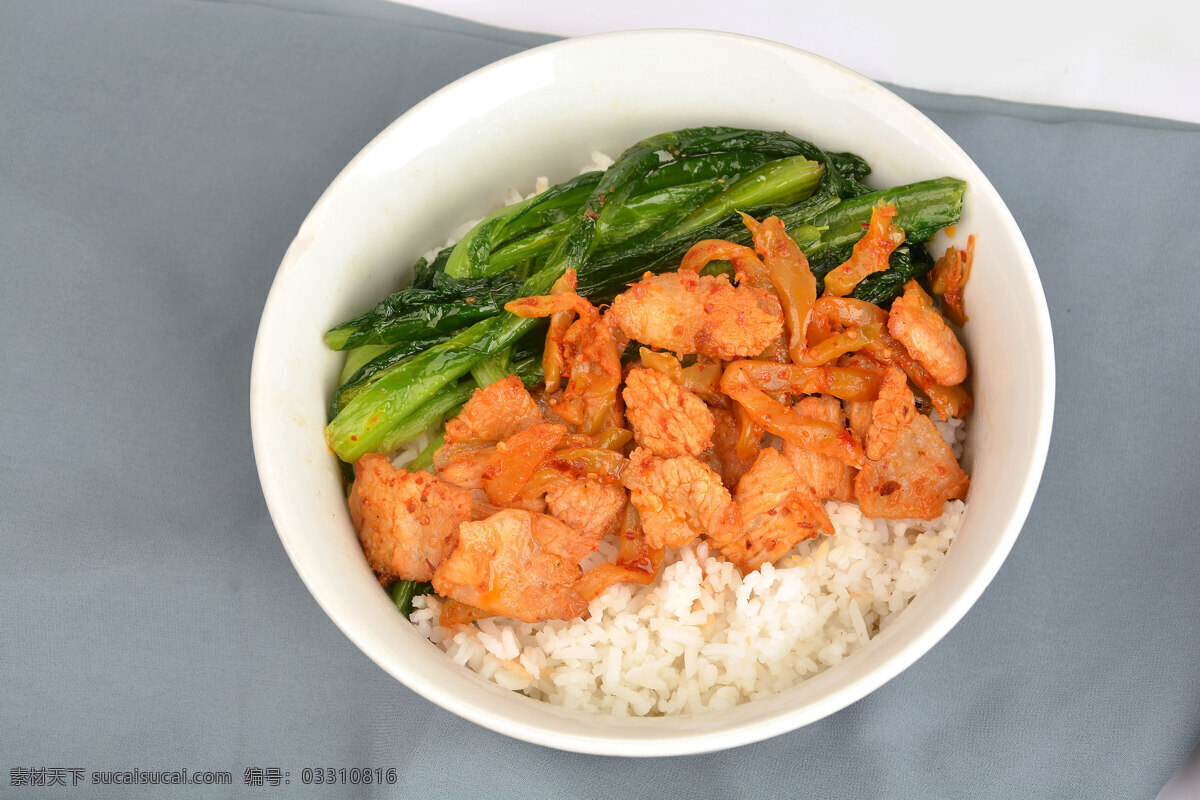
{"x":699,"y":741}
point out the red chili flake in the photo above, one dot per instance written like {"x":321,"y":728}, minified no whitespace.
{"x":591,"y":214}
{"x":888,"y":488}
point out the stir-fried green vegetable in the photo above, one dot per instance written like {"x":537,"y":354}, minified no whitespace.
{"x":641,"y":214}
{"x":817,"y":224}
{"x":479,"y":253}
{"x":493,"y":368}
{"x":447,"y":304}
{"x":376,"y":367}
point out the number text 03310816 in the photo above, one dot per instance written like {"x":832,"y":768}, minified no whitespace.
{"x":343,"y":776}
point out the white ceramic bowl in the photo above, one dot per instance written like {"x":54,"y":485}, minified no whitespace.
{"x":542,"y":112}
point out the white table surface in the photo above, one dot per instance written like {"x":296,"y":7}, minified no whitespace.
{"x":1139,"y":58}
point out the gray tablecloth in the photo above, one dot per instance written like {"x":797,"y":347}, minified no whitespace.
{"x":157,"y":158}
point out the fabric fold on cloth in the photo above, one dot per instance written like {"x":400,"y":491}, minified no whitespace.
{"x":156,"y":159}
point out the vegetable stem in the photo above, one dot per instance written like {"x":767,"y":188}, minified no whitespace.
{"x":782,"y":182}
{"x":491,"y":369}
{"x":424,"y":459}
{"x":426,"y":415}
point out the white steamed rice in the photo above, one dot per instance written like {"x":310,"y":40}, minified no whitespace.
{"x":701,"y":636}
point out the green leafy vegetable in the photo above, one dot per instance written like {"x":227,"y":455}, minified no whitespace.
{"x":413,"y":314}
{"x":377,"y":367}
{"x":491,"y":369}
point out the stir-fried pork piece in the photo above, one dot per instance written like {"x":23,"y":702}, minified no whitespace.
{"x":515,"y":564}
{"x":494,"y":414}
{"x":482,"y":507}
{"x":679,"y":499}
{"x":919,"y":326}
{"x":891,"y":413}
{"x":915,"y":477}
{"x":725,"y":438}
{"x":688,"y":313}
{"x":826,"y":476}
{"x":407,"y":522}
{"x":469,"y":457}
{"x":777,"y":510}
{"x":590,"y":508}
{"x":667,"y":419}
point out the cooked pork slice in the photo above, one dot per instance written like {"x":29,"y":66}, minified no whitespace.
{"x":688,"y":313}
{"x":494,"y":414}
{"x":828,"y":477}
{"x":666,"y":418}
{"x":679,"y":499}
{"x":914,"y":478}
{"x":515,"y":564}
{"x":778,"y":512}
{"x":407,"y":522}
{"x":590,"y":508}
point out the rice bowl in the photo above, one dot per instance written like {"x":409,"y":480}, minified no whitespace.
{"x":346,"y":253}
